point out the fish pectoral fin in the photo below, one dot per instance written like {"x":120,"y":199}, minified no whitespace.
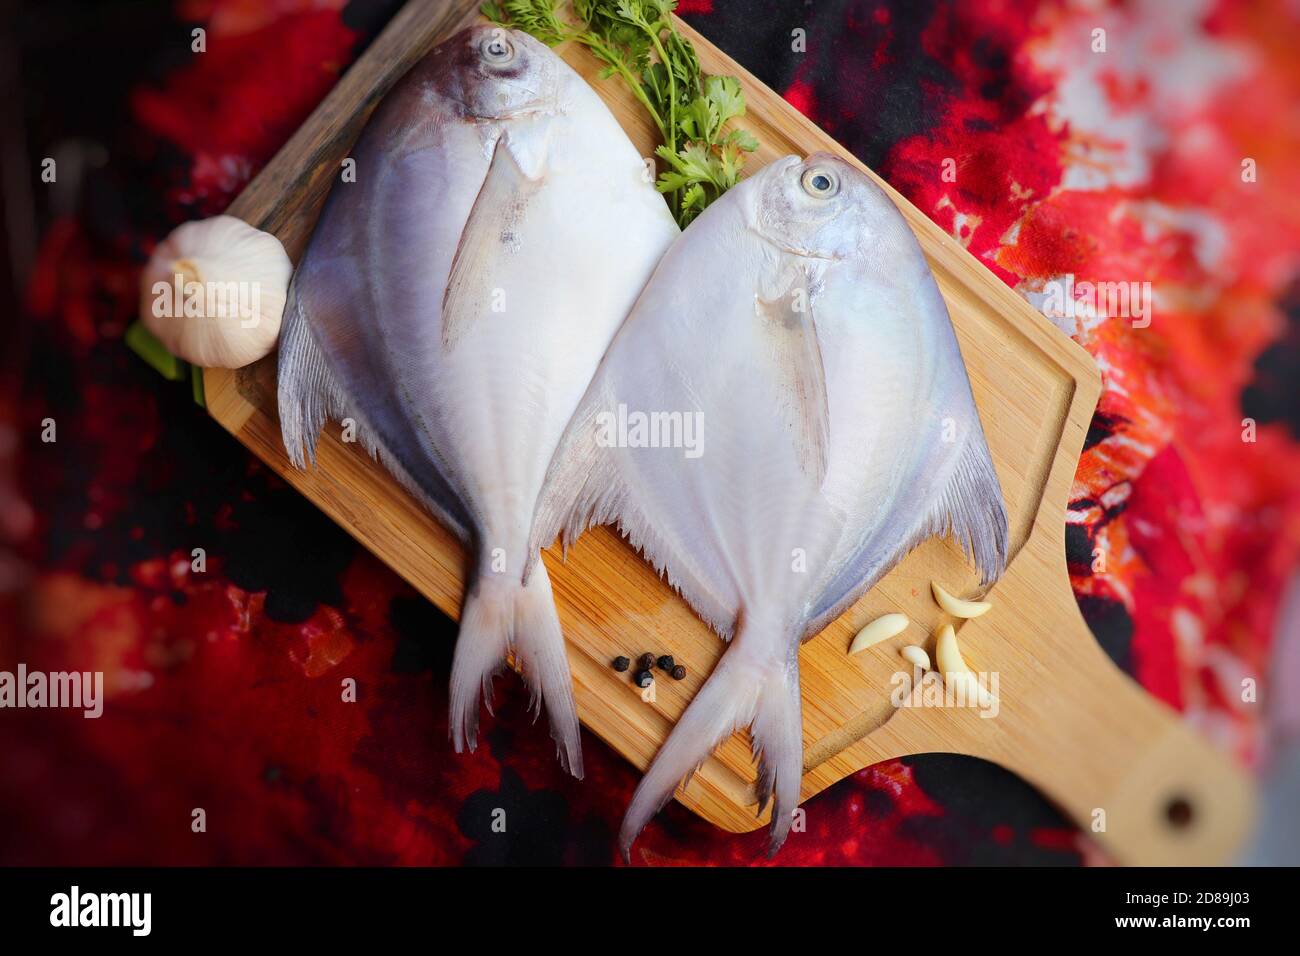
{"x":492,"y":230}
{"x":529,"y":146}
{"x":789,"y":319}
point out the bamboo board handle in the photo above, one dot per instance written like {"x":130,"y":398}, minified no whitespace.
{"x":1176,"y":799}
{"x":1160,"y":796}
{"x":1121,"y":764}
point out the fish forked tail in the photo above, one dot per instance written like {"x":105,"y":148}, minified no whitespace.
{"x":745,"y":689}
{"x":501,"y":615}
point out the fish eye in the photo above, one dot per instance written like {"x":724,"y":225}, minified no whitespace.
{"x":497,"y":49}
{"x":820,"y":183}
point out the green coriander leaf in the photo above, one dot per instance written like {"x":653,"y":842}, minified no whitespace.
{"x":638,"y":41}
{"x":670,"y":182}
{"x":725,"y":94}
{"x":743,"y":139}
{"x":691,"y":162}
{"x":694,"y":200}
{"x":730,"y":163}
{"x":698,"y":120}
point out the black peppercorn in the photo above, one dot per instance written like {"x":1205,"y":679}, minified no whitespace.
{"x":644,"y":679}
{"x":621,"y":664}
{"x":679,"y":672}
{"x":646,"y":661}
{"x":666,"y":662}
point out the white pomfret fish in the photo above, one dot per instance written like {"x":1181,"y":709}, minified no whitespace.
{"x":798,"y":320}
{"x":455,"y":300}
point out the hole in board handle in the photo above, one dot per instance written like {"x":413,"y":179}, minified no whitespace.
{"x":1179,"y":813}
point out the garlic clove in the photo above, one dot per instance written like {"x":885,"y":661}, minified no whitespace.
{"x":946,"y":652}
{"x":953,"y":668}
{"x":956,"y":606}
{"x":881,"y":629}
{"x":214,"y":291}
{"x":916,"y":656}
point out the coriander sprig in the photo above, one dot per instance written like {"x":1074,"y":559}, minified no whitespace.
{"x":638,"y":41}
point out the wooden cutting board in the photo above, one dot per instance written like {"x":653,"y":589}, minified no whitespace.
{"x":1118,"y":763}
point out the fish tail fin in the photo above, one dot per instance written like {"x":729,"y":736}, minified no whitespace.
{"x":777,"y":734}
{"x":745,"y":689}
{"x":544,"y":662}
{"x":307,"y":392}
{"x":501,"y":616}
{"x":486,"y":624}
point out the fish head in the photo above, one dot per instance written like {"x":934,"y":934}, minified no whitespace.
{"x":822,"y":207}
{"x":494,"y":73}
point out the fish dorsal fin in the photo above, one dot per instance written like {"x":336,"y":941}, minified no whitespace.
{"x":968,"y":507}
{"x":591,"y":483}
{"x":492,"y":230}
{"x":789,"y":321}
{"x":309,"y":393}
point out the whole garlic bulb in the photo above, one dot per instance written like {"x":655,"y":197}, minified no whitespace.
{"x":214,"y":290}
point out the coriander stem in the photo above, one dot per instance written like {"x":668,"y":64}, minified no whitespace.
{"x":633,"y":84}
{"x":672,"y":83}
{"x":670,"y":137}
